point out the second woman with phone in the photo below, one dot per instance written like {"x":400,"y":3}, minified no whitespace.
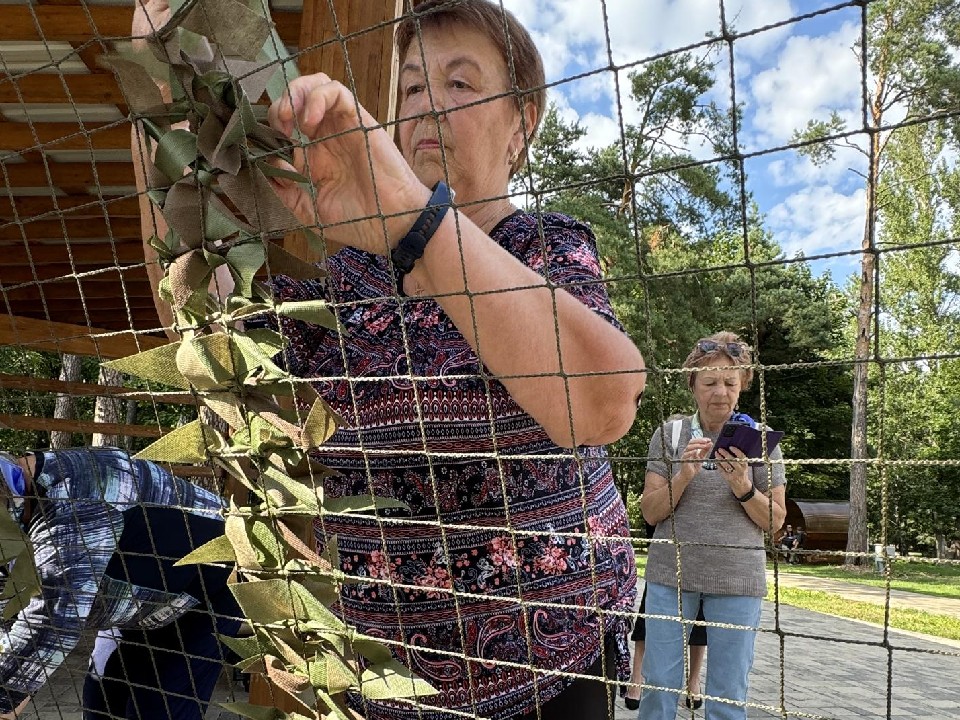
{"x":710,"y":517}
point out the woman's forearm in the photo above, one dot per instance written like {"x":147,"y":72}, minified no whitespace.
{"x":765,"y":513}
{"x":151,"y":221}
{"x":657,"y":504}
{"x":572,"y":371}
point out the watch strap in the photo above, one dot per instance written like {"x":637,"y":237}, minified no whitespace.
{"x":748,"y":495}
{"x":412,"y":245}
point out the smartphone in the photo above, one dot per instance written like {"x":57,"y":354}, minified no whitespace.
{"x":747,"y":438}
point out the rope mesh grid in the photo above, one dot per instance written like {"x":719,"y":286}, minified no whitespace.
{"x":663,"y":361}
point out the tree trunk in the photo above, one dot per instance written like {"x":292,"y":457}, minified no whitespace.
{"x":108,"y":409}
{"x":857,"y":528}
{"x":63,"y":406}
{"x":131,"y":419}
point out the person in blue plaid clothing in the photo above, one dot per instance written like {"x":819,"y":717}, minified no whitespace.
{"x":106,"y":530}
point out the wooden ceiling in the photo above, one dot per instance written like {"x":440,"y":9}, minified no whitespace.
{"x":72,"y":277}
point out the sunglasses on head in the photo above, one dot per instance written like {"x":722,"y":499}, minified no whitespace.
{"x":734,"y":349}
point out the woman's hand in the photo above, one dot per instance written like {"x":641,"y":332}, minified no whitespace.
{"x":766,"y":513}
{"x":696,"y":451}
{"x":148,"y":17}
{"x":356,"y":172}
{"x":732,"y":464}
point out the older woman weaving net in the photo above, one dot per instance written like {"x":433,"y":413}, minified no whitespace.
{"x":479,"y":374}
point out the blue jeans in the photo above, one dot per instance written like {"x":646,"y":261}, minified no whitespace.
{"x":730,"y":654}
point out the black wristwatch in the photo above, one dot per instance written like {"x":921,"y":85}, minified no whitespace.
{"x":411,"y":246}
{"x":747,"y":495}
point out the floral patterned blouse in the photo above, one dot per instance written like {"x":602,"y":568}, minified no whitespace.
{"x":514,"y":552}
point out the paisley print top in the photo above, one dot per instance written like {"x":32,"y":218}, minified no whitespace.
{"x":512,"y":559}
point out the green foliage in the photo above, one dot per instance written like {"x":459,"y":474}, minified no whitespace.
{"x":680,"y":267}
{"x":285,"y":587}
{"x":30,"y":363}
{"x":914,"y":43}
{"x":914,"y":70}
{"x":820,"y":134}
{"x":920,"y":323}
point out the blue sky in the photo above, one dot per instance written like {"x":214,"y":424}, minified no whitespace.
{"x":785,"y":76}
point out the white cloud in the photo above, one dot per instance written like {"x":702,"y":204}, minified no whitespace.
{"x":817,"y":220}
{"x":573,"y":39}
{"x":783,"y":80}
{"x":602,"y":130}
{"x":791,"y":169}
{"x":952,"y":262}
{"x":639,"y":30}
{"x":813,"y":76}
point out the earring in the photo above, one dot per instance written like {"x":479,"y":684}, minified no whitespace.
{"x":514,"y":157}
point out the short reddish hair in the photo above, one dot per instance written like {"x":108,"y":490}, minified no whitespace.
{"x":721,"y":357}
{"x":506,"y":33}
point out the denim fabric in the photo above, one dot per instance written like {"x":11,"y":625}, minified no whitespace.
{"x":730,"y":654}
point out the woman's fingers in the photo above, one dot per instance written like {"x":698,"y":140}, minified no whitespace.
{"x":285,"y":112}
{"x":309,"y":102}
{"x":732,"y":459}
{"x":148,"y":17}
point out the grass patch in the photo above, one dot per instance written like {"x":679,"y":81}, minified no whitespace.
{"x":913,"y":620}
{"x":912,"y":576}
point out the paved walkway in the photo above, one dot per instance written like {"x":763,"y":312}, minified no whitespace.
{"x":820,"y":666}
{"x":808,"y":665}
{"x":871,"y":594}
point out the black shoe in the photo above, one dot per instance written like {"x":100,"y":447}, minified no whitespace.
{"x":632,"y":703}
{"x":695,"y":703}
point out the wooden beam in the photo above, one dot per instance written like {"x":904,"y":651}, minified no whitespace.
{"x":74,"y":339}
{"x":70,"y":23}
{"x":18,"y":274}
{"x":190,"y":471}
{"x":86,"y":427}
{"x":370,"y":51}
{"x":137,"y":314}
{"x":97,"y":89}
{"x":65,"y":175}
{"x":111,"y":312}
{"x":88,"y":229}
{"x":71,"y":206}
{"x":82,"y":289}
{"x":16,"y":136}
{"x":80,"y":254}
{"x":89,"y":54}
{"x":51,"y":385}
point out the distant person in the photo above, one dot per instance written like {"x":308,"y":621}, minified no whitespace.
{"x":787,"y":540}
{"x":710,"y":517}
{"x":954,"y":550}
{"x":107,"y":530}
{"x":799,"y":540}
{"x":698,"y":643}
